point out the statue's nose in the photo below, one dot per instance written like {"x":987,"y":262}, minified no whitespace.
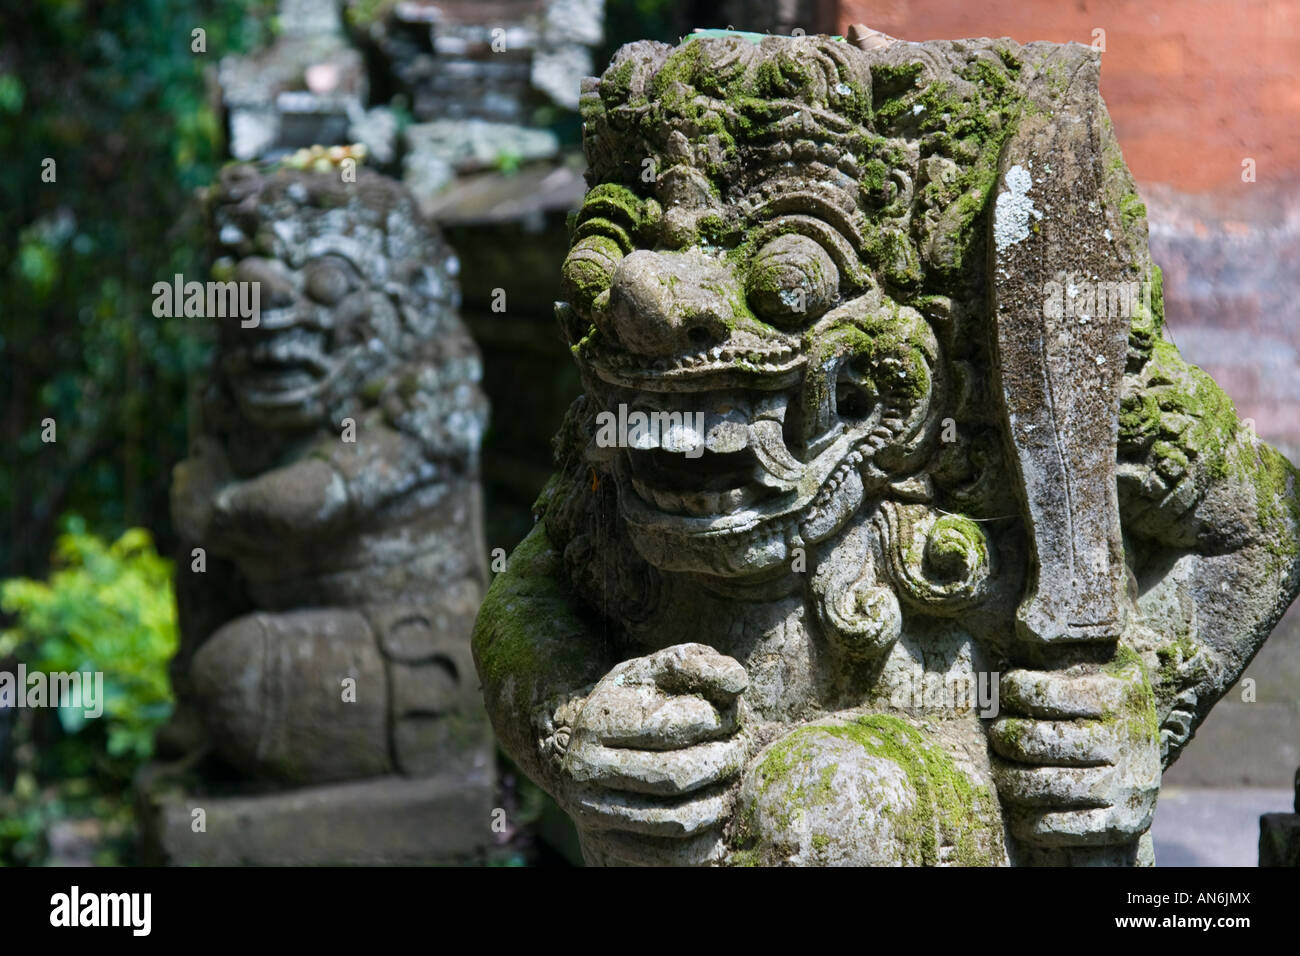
{"x":666,"y":304}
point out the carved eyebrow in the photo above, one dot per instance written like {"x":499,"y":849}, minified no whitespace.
{"x":805,"y":202}
{"x":831,"y":239}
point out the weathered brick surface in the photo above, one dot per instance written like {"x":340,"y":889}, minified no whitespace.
{"x":1193,"y":87}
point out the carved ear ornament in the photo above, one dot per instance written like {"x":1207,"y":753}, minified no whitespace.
{"x":940,"y":563}
{"x":937,"y":563}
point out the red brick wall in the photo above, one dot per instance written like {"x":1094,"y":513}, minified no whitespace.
{"x":1194,"y":86}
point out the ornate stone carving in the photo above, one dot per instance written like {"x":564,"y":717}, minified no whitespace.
{"x":903,"y":300}
{"x":333,"y":486}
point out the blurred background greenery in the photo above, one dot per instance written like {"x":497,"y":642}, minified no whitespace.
{"x":106,"y":608}
{"x":113,"y":92}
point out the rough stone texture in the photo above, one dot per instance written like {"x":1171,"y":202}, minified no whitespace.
{"x":1233,"y":295}
{"x":496,"y":61}
{"x":1194,"y":92}
{"x":915,"y":445}
{"x":333,"y":486}
{"x":487,"y":157}
{"x":303,"y":90}
{"x":367,"y":822}
{"x":1279,"y":835}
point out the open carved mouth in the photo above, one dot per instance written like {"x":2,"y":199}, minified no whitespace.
{"x":778,"y":361}
{"x":772,"y":439}
{"x":724,"y":484}
{"x":720,"y":453}
{"x":282,"y":367}
{"x":745,"y":480}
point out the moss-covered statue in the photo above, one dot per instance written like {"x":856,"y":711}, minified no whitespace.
{"x":891,"y":528}
{"x":333,"y":490}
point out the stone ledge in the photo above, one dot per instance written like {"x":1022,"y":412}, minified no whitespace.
{"x":383,"y":821}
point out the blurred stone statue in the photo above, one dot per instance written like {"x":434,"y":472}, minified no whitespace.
{"x":331,"y":516}
{"x":891,"y":527}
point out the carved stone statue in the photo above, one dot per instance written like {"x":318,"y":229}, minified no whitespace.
{"x":891,"y":527}
{"x":333,"y":490}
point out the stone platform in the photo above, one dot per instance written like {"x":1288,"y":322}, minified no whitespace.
{"x":383,"y":821}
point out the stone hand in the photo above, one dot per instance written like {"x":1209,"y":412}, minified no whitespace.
{"x":654,"y":739}
{"x":297,"y":501}
{"x":196,"y":482}
{"x":1078,"y":754}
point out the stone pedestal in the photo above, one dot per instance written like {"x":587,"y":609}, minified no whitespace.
{"x":385,"y":821}
{"x":1279,"y":835}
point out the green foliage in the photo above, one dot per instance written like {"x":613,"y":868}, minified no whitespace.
{"x":508,"y":162}
{"x":106,"y":608}
{"x":111,"y":92}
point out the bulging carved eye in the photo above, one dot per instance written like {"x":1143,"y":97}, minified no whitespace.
{"x":589,"y":269}
{"x":792,"y":279}
{"x":328,"y":281}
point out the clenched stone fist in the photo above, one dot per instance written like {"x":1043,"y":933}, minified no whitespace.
{"x":653,"y":741}
{"x":1079,"y":754}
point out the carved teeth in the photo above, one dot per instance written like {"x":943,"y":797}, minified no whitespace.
{"x":666,"y":501}
{"x":727,"y":432}
{"x":696,"y":503}
{"x":681,"y":438}
{"x":773,"y":355}
{"x":769,"y":447}
{"x":734,"y":500}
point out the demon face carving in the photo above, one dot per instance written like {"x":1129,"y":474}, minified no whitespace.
{"x":333,"y":488}
{"x":834,"y":449}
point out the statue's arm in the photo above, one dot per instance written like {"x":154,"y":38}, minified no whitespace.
{"x":330,"y":485}
{"x":640,"y":745}
{"x":537,"y":655}
{"x":1213,"y":515}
